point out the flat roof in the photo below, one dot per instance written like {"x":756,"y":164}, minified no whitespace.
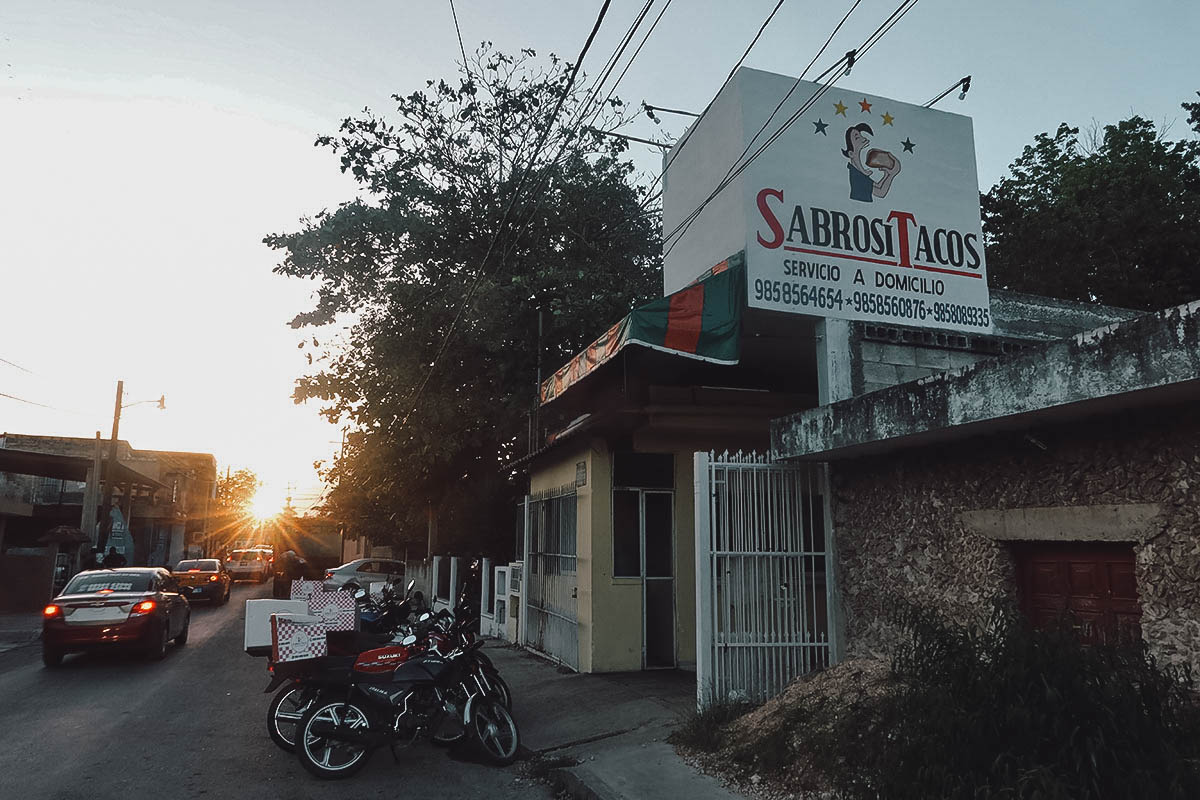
{"x":1150,"y":359}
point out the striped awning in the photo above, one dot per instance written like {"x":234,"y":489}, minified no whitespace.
{"x":702,"y":321}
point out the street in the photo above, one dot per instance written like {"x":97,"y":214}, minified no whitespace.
{"x":112,"y":725}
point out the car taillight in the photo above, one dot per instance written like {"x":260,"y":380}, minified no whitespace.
{"x":144,"y":607}
{"x":193,"y":570}
{"x":52,"y":611}
{"x":229,"y":558}
{"x":328,"y":573}
{"x":258,"y":558}
{"x":212,"y":577}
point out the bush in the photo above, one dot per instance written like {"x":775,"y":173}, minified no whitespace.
{"x":1010,"y":712}
{"x":702,"y":730}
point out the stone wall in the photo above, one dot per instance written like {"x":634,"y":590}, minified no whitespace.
{"x":900,"y":529}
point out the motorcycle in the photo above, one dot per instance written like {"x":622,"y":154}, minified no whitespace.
{"x":425,"y":696}
{"x":438,"y":633}
{"x":388,"y":623}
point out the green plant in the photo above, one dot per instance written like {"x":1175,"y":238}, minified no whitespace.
{"x":702,"y":730}
{"x":1010,"y":712}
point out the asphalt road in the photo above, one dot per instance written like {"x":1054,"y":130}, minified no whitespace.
{"x":111,"y":725}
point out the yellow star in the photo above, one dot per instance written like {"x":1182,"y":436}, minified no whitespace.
{"x":887,"y":118}
{"x":839,"y":108}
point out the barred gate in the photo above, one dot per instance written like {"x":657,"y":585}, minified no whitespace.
{"x":550,"y":624}
{"x":763,"y":611}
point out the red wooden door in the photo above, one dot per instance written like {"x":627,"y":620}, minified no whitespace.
{"x":1092,"y":581}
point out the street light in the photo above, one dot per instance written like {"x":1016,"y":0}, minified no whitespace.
{"x":106,"y":505}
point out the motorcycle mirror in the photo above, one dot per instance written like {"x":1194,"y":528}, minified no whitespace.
{"x":361,"y":594}
{"x":408,"y":641}
{"x":425,"y":617}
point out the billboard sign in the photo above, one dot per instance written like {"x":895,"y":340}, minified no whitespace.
{"x":866,"y":208}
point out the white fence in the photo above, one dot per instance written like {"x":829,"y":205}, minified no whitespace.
{"x":549,"y":623}
{"x":763,"y":568}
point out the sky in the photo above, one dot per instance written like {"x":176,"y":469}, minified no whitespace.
{"x":147,"y":147}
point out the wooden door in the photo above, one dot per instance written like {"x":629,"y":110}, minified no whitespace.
{"x":1092,"y":582}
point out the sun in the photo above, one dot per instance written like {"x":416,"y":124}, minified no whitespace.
{"x":265,"y":504}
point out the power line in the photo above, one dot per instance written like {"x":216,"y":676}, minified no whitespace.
{"x":585,"y":117}
{"x":16,"y":366}
{"x":849,"y":58}
{"x":30,"y":402}
{"x":458,"y":30}
{"x":512,"y":201}
{"x":904,"y":7}
{"x":651,"y":195}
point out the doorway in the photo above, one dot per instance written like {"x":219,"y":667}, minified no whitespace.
{"x":644,"y":547}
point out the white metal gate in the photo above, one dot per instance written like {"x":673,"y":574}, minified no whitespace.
{"x":763,"y":575}
{"x":550,"y":624}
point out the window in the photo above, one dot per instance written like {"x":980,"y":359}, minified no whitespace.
{"x":627,"y":534}
{"x":644,"y":470}
{"x":369,"y":566}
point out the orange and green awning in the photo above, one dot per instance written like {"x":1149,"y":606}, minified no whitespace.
{"x":702,"y":321}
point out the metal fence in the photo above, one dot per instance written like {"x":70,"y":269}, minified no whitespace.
{"x":762,"y":572}
{"x":551,"y":624}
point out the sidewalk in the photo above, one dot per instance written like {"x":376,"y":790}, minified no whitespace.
{"x":612,"y":726}
{"x":19,"y":629}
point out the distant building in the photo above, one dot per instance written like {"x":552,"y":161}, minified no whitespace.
{"x":163,"y":501}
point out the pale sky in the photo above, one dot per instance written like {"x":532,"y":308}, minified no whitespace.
{"x":147,"y":147}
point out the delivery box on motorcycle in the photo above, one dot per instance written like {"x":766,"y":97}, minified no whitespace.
{"x":337,"y":609}
{"x":303,"y":589}
{"x":258,"y":622}
{"x":297,"y":636}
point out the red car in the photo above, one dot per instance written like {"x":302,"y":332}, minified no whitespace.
{"x":138,"y":606}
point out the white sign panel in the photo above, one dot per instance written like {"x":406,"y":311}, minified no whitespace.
{"x":867,"y":209}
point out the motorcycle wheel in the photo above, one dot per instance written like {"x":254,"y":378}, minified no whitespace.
{"x":500,"y":689}
{"x":493,"y":731}
{"x":451,"y":730}
{"x":284,"y":714}
{"x":329,"y":759}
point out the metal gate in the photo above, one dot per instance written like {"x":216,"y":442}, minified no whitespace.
{"x":550,"y":625}
{"x":763,"y":575}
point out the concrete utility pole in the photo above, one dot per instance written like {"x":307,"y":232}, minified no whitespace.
{"x":91,"y":494}
{"x":110,"y":473}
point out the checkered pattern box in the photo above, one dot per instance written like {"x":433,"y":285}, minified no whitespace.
{"x":336,"y":609}
{"x":295,"y":637}
{"x":302,"y":590}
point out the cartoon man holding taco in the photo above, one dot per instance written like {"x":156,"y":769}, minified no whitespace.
{"x":862,"y":185}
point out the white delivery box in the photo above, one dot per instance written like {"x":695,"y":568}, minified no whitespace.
{"x":258,"y":622}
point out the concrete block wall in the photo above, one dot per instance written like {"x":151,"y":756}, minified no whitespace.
{"x":883,"y":364}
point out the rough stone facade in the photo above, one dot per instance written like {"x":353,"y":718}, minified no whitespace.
{"x":900,"y":531}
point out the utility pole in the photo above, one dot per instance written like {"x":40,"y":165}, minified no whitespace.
{"x":110,"y":473}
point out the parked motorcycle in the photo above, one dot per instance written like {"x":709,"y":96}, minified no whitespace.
{"x":431,"y":695}
{"x":364,"y":652}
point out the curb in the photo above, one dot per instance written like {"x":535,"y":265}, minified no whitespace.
{"x":564,"y":779}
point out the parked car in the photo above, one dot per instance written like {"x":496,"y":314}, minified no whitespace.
{"x":136,"y":606}
{"x":358,"y":573}
{"x":248,"y":565}
{"x":203,"y":579}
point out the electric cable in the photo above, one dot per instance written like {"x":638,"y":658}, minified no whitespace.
{"x":482,"y":271}
{"x":849,"y":57}
{"x":904,"y":7}
{"x":458,"y":31}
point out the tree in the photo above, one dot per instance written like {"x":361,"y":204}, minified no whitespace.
{"x":1111,"y":223}
{"x":464,"y":240}
{"x":235,"y":497}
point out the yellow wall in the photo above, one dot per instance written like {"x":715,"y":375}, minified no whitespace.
{"x":556,"y":473}
{"x":617,"y":602}
{"x":609,"y":610}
